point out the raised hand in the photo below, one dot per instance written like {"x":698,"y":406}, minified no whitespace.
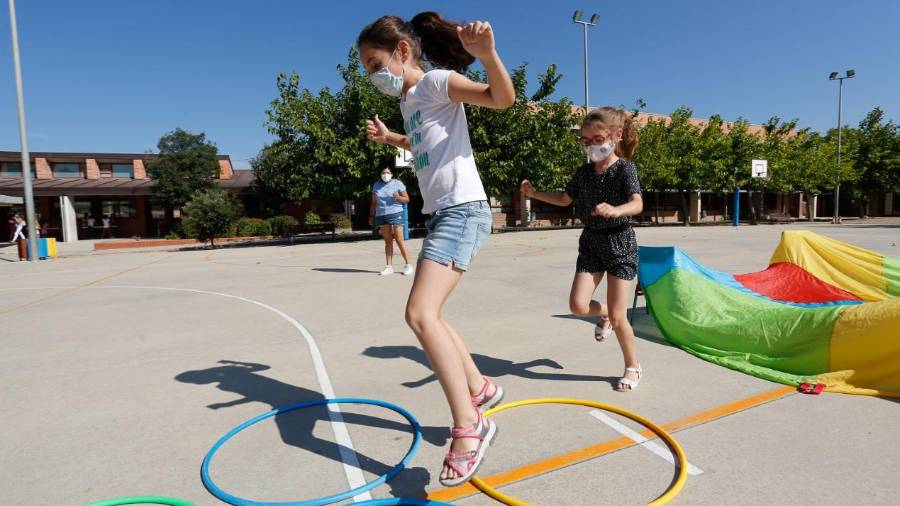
{"x":376,"y":130}
{"x":527,"y":188}
{"x":477,"y":38}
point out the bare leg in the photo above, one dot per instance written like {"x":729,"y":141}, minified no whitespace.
{"x":581,"y":301}
{"x":473,"y":376}
{"x":398,"y":236}
{"x":388,"y":235}
{"x":617,"y":297}
{"x":431,"y":288}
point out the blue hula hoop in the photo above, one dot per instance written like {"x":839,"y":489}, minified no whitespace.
{"x":238,"y":501}
{"x":400,"y":501}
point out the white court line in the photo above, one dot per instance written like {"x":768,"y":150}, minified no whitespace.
{"x":351,"y":464}
{"x":659,"y":450}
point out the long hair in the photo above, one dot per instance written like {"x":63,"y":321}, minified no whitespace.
{"x":431,"y":37}
{"x":613,"y":119}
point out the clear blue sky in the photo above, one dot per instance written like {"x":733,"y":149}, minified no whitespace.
{"x":114,"y":75}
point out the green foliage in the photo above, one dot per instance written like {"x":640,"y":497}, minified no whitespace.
{"x":876,"y":164}
{"x":186,"y":164}
{"x":209,"y":214}
{"x":320,"y":146}
{"x":252,"y":227}
{"x":534,"y":139}
{"x":312,"y":218}
{"x":282,"y":224}
{"x":340,"y":221}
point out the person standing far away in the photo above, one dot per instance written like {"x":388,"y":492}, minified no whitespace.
{"x":388,"y":197}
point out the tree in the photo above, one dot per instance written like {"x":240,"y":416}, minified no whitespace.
{"x":771,"y":147}
{"x":320,"y":146}
{"x":186,"y":164}
{"x":209,"y":214}
{"x":744,"y":147}
{"x":877,"y":161}
{"x":805,"y":166}
{"x":683,"y":141}
{"x":535,"y":139}
{"x":655,"y":170}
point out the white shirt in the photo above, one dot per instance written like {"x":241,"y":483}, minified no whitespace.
{"x":439,"y":141}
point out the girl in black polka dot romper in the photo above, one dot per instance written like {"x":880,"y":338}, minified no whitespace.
{"x":606,"y":193}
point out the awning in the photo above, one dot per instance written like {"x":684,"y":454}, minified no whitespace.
{"x":8,"y":200}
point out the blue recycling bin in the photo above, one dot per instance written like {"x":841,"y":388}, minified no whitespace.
{"x":405,"y":223}
{"x":42,"y":250}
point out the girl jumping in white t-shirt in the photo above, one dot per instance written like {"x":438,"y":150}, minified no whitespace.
{"x":393,"y":52}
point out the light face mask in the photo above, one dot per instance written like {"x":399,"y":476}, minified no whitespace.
{"x":599,"y":152}
{"x":386,"y":81}
{"x":386,"y":177}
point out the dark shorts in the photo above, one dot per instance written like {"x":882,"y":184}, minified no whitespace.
{"x":612,"y":251}
{"x":395,"y":219}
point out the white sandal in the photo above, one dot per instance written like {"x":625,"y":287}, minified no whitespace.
{"x":628,"y":382}
{"x":601,"y":331}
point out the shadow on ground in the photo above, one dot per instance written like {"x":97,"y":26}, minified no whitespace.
{"x":343,"y":271}
{"x":242,"y":378}
{"x":489,"y":366}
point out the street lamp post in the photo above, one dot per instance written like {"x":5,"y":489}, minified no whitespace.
{"x":837,"y":187}
{"x":23,"y":137}
{"x":576,"y":18}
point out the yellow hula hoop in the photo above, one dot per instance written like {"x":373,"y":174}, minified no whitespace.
{"x":667,"y":496}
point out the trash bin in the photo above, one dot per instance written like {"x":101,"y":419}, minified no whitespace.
{"x":45,"y":248}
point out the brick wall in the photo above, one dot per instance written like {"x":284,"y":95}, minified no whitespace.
{"x":93,"y":170}
{"x":42,"y":168}
{"x":226,"y":171}
{"x":140,"y":172}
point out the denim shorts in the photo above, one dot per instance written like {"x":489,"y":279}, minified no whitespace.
{"x":395,"y":219}
{"x":455,"y":234}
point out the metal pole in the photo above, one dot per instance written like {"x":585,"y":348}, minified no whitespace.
{"x":586,"y":96}
{"x":23,"y":137}
{"x":837,"y":187}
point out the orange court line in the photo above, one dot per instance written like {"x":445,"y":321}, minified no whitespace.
{"x":590,"y":452}
{"x":75,"y":288}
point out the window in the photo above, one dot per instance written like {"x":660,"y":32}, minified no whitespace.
{"x":14,"y":169}
{"x":82,"y":209}
{"x":66,"y":170}
{"x":122,"y":170}
{"x":119,"y":208}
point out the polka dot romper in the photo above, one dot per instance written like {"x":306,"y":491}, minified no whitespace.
{"x":606,"y":244}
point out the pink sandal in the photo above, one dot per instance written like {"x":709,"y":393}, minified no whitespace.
{"x":482,"y":401}
{"x":466,"y":464}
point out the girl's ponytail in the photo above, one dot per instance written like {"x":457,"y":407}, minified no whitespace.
{"x":629,"y":137}
{"x":440,"y":42}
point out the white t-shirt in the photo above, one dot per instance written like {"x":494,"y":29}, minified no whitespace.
{"x":439,"y":138}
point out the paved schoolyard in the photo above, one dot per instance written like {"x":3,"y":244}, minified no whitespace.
{"x":119,"y":371}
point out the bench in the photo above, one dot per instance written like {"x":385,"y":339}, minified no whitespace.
{"x":321,"y":228}
{"x":649,"y":215}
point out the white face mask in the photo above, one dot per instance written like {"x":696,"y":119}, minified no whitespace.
{"x":386,"y":81}
{"x":386,"y":177}
{"x":600,"y":152}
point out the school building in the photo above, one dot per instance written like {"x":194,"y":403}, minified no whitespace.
{"x":73,"y":192}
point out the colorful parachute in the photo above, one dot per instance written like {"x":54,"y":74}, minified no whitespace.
{"x":824,"y":311}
